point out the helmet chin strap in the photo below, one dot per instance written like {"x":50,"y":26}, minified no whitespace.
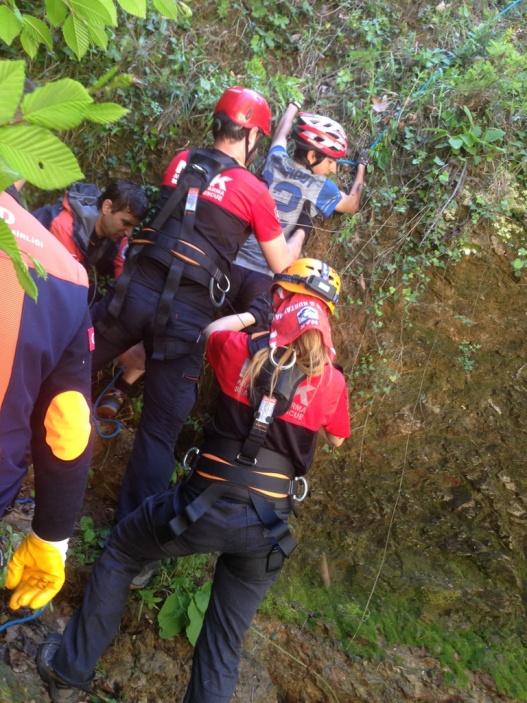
{"x":319,"y":158}
{"x":251,"y":153}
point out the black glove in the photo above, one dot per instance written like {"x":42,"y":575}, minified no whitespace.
{"x":364,"y":157}
{"x":261,"y":309}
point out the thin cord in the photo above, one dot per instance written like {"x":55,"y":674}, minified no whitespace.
{"x":34,"y":615}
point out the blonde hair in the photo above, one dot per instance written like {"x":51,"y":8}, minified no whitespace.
{"x":311,"y":358}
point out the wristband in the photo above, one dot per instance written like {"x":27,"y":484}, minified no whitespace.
{"x":296,"y":103}
{"x":61,"y":545}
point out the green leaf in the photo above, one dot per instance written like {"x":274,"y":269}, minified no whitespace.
{"x":468,"y":139}
{"x":15,"y":9}
{"x":493,"y":134}
{"x":9,"y":246}
{"x":76,"y":35}
{"x":202,"y":597}
{"x":29,"y":44}
{"x":10,"y":25}
{"x":105,"y":113}
{"x":98,"y":36}
{"x":469,"y":115}
{"x":12,"y":77}
{"x":167,"y":8}
{"x":38,"y":30}
{"x":196,"y":621}
{"x":172,"y":617}
{"x":455,"y":142}
{"x":184,"y":9}
{"x":7,"y":175}
{"x":58,"y":105}
{"x":137,"y":8}
{"x":103,"y":80}
{"x":39,"y":156}
{"x":95,"y":11}
{"x":56,"y":11}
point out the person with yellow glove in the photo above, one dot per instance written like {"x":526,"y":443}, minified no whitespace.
{"x":36,"y":571}
{"x":45,"y":376}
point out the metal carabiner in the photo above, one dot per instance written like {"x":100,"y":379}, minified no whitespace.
{"x":192,"y":452}
{"x":218,"y":302}
{"x":303,"y":480}
{"x":275,"y":363}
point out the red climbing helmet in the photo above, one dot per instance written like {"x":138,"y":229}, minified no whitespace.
{"x":320,"y":133}
{"x":246,"y":108}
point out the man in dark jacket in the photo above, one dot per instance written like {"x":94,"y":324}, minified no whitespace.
{"x":44,"y":401}
{"x":91,"y":224}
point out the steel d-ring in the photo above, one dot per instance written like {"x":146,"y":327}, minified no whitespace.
{"x":275,"y":363}
{"x":191,"y":454}
{"x":302,"y":480}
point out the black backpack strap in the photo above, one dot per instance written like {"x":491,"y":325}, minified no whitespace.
{"x":200,"y":171}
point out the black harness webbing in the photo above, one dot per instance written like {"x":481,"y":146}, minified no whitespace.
{"x":249,"y":462}
{"x":216,"y":489}
{"x":185,"y":256}
{"x":268,"y":407}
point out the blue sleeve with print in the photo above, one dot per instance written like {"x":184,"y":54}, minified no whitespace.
{"x":328,"y":198}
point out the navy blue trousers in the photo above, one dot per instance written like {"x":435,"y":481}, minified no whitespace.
{"x":170,"y":387}
{"x":231,"y":528}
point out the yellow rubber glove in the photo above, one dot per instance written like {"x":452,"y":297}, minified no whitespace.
{"x":36,"y":571}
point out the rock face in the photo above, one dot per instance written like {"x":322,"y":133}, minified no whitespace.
{"x":436,"y":468}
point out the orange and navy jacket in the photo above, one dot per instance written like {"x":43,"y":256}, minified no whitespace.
{"x":45,"y":370}
{"x":74,"y":229}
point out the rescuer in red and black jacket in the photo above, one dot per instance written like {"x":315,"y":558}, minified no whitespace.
{"x":176,"y":269}
{"x":275,"y":401}
{"x":45,"y":369}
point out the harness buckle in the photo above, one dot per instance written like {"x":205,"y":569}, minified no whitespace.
{"x":305,"y":484}
{"x":245,"y":461}
{"x":192,"y":454}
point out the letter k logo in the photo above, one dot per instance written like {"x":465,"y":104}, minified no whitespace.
{"x":220,"y":182}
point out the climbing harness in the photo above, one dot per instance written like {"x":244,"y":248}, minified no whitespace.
{"x":231,"y":468}
{"x":185,"y":255}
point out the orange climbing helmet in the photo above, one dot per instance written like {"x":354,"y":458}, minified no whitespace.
{"x":312,"y":277}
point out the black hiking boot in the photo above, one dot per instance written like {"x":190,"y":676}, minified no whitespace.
{"x":59,"y":691}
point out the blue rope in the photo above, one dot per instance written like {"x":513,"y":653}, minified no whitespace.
{"x":430,"y":80}
{"x":34,"y":615}
{"x":96,"y":419}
